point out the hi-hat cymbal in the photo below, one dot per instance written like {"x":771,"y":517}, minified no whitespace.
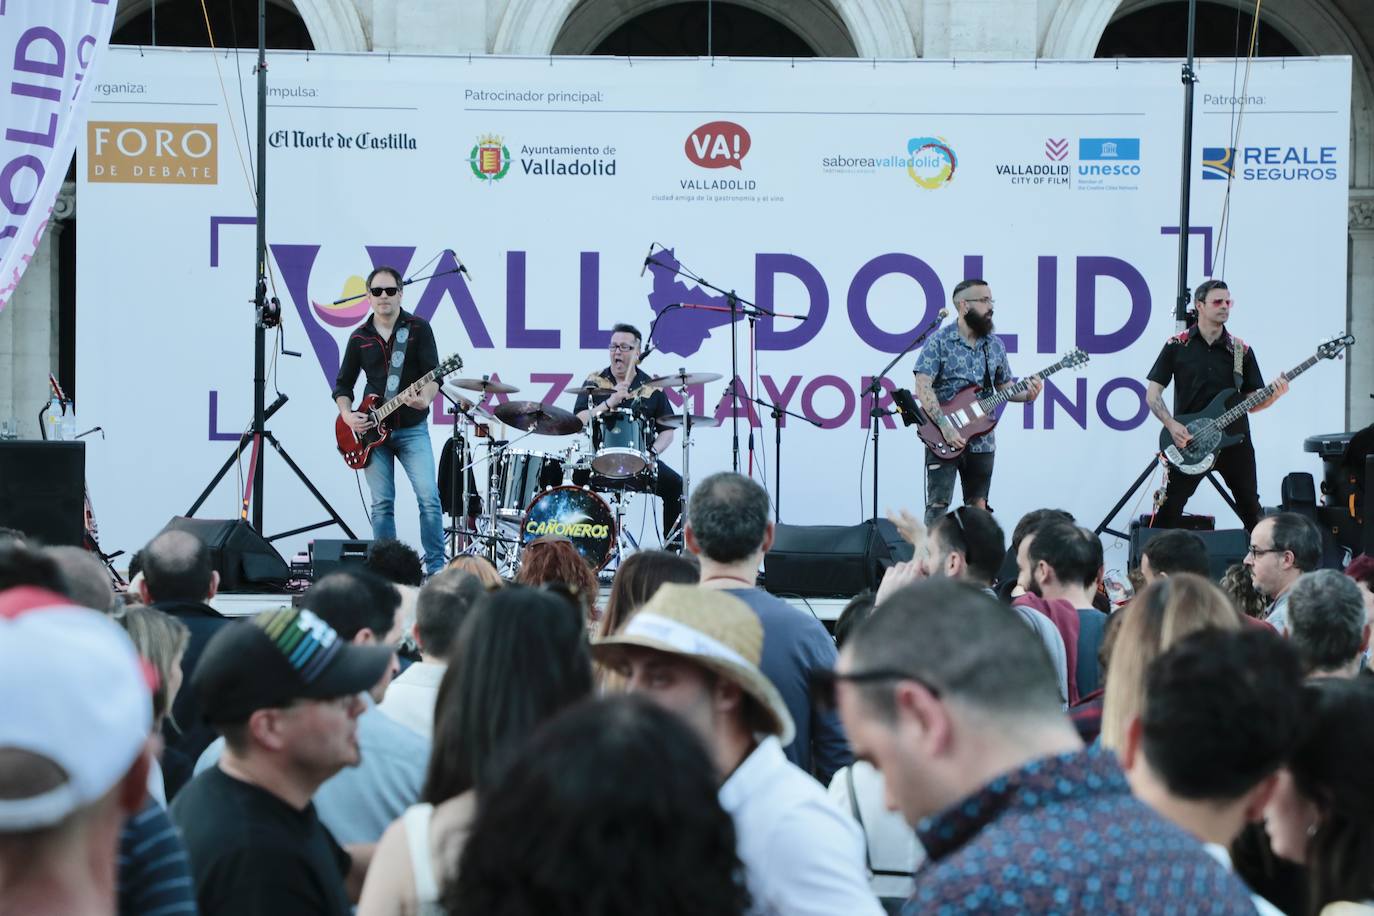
{"x":697,"y":420}
{"x":483,"y":384}
{"x":532,"y":416}
{"x":589,"y":390}
{"x":683,"y":378}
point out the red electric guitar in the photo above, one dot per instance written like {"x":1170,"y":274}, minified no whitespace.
{"x":356,"y":447}
{"x":973,"y":416}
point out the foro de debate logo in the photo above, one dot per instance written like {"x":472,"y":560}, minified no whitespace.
{"x":145,"y":152}
{"x":718,"y":145}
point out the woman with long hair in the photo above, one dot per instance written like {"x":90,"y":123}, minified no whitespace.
{"x":611,"y":809}
{"x":1168,"y":610}
{"x":1322,"y":812}
{"x":554,"y":560}
{"x":521,"y":657}
{"x":638,"y":577}
{"x":161,"y":641}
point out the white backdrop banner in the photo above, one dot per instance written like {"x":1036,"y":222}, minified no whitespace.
{"x":857,"y":193}
{"x":48,"y":51}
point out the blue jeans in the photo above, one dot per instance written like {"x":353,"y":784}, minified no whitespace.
{"x":410,"y":444}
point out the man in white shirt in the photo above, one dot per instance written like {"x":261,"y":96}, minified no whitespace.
{"x":440,"y":609}
{"x":696,"y":651}
{"x":1223,"y":711}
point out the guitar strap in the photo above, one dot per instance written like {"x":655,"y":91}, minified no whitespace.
{"x":398,"y":361}
{"x":1237,"y":361}
{"x":987,"y":366}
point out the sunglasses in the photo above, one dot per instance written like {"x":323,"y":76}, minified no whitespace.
{"x":388,"y":290}
{"x":823,"y":681}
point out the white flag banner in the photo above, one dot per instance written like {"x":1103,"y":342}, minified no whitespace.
{"x":47,"y":52}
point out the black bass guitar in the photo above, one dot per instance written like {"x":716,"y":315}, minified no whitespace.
{"x":1208,"y":426}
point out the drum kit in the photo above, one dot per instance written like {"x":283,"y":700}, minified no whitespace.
{"x":577,"y":492}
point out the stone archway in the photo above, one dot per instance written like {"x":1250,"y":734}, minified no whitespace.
{"x":334,"y":25}
{"x":875,"y":28}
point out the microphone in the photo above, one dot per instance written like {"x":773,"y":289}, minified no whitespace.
{"x":944,"y":313}
{"x":647,"y":257}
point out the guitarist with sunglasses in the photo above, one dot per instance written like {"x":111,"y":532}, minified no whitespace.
{"x":371,"y":348}
{"x":1202,"y":362}
{"x":960,"y":354}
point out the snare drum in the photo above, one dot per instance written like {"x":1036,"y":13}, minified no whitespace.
{"x":620,"y":444}
{"x":520,"y":475}
{"x":576,"y":514}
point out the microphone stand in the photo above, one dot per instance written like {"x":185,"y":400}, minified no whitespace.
{"x":875,"y":389}
{"x":460,"y":269}
{"x":736,"y":306}
{"x":777,"y":414}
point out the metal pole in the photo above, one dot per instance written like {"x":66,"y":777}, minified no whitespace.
{"x":1186,"y":184}
{"x":260,"y":290}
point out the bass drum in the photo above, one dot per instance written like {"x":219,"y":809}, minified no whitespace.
{"x":576,"y":514}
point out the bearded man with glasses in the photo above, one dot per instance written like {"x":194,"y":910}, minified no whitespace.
{"x":370,"y":350}
{"x":958,"y":355}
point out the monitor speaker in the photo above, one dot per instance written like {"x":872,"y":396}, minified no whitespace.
{"x":1224,"y":547}
{"x":43,"y":490}
{"x":327,"y":556}
{"x":244,"y":558}
{"x":831,"y":561}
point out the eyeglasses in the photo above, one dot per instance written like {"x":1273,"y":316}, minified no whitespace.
{"x":1261,"y":551}
{"x":823,"y":681}
{"x":988,"y":299}
{"x":623,"y":348}
{"x":388,"y":290}
{"x":1226,"y":302}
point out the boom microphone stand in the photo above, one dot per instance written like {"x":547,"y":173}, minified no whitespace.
{"x":875,"y":390}
{"x":777,"y":413}
{"x":735,"y":306}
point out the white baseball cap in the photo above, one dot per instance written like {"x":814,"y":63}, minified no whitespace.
{"x":75,"y":692}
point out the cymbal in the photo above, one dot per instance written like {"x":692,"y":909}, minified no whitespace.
{"x":588,"y":390}
{"x":483,"y":384}
{"x":532,"y":416}
{"x":683,"y":378}
{"x":697,"y":420}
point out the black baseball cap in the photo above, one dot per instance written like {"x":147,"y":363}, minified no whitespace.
{"x":280,"y":656}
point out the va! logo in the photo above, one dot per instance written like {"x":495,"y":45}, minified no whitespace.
{"x":490,"y":159}
{"x":718,"y":145}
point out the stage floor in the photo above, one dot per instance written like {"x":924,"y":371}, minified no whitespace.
{"x":246,"y":605}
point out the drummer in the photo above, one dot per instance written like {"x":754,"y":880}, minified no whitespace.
{"x":623,"y":384}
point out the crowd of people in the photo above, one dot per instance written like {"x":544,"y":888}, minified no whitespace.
{"x":987,"y":732}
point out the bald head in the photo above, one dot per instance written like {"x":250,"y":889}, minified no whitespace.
{"x":88,"y":582}
{"x":176,"y":567}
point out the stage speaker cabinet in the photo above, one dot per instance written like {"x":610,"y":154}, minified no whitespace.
{"x":327,"y":556}
{"x":43,"y":490}
{"x":831,"y":561}
{"x":1225,"y":547}
{"x":245,"y":560}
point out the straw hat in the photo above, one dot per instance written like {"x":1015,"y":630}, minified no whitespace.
{"x":713,"y":629}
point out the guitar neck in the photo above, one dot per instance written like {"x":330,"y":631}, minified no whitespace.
{"x":398,"y":402}
{"x":994,"y":401}
{"x":1263,"y":394}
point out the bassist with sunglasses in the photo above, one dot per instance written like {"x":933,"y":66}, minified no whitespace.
{"x":1202,"y":362}
{"x":372,"y":348}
